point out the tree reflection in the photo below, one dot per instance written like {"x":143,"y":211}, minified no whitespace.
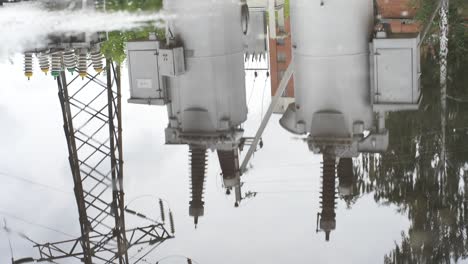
{"x":408,"y":175}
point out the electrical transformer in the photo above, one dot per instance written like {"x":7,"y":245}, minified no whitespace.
{"x":198,"y":72}
{"x":346,"y":78}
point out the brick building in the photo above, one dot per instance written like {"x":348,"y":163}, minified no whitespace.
{"x":399,"y":15}
{"x":280,"y":57}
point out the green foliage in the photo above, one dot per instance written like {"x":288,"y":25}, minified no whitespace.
{"x":134,"y":5}
{"x":287,"y":9}
{"x":114,"y":47}
{"x":425,"y":9}
{"x":433,"y":201}
{"x":458,"y":45}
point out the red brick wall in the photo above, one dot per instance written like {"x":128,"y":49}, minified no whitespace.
{"x":396,"y":9}
{"x":277,"y":66}
{"x":398,"y":27}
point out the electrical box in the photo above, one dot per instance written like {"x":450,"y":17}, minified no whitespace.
{"x":171,"y":61}
{"x":395,"y":73}
{"x":146,"y":84}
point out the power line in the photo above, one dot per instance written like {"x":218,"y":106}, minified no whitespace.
{"x":457,"y":99}
{"x":4,"y":213}
{"x":142,"y":258}
{"x":56,"y":189}
{"x":176,"y":256}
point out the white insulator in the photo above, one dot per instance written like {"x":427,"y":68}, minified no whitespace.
{"x":44,"y":62}
{"x":56,"y":63}
{"x":69,"y":60}
{"x":96,"y":58}
{"x":82,"y":64}
{"x":28,"y":65}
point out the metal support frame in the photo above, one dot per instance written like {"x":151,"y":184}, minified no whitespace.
{"x":272,"y":18}
{"x":429,"y":23}
{"x":92,"y":119}
{"x":274,"y":101}
{"x":152,"y":234}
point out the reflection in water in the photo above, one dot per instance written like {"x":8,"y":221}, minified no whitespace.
{"x":327,"y":216}
{"x":345,"y":177}
{"x":341,"y":100}
{"x":201,"y":82}
{"x":198,"y":165}
{"x":326,"y":219}
{"x":70,"y":52}
{"x":27,"y":25}
{"x":92,"y":118}
{"x":342,"y":115}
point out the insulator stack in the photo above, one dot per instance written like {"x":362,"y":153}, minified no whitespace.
{"x":161,"y":209}
{"x":198,"y":165}
{"x":96,"y":58}
{"x":345,"y":176}
{"x":44,"y":62}
{"x":28,"y":65}
{"x":171,"y":222}
{"x":82,"y":65}
{"x":328,"y":196}
{"x":56,"y":64}
{"x":229,"y":163}
{"x":69,"y":60}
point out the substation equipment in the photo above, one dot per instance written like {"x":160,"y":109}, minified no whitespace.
{"x":198,"y":73}
{"x":349,"y":72}
{"x":90,"y":101}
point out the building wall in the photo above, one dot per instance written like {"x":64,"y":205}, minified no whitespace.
{"x":280,"y":57}
{"x":397,"y":10}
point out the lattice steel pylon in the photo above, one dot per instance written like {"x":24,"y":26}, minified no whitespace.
{"x":92,"y":119}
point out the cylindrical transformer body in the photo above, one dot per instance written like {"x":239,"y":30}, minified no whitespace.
{"x":331,"y":54}
{"x":210,"y":95}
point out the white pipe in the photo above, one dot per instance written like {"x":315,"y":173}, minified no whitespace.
{"x":282,"y":86}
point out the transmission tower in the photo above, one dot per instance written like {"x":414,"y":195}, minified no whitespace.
{"x":91,"y":110}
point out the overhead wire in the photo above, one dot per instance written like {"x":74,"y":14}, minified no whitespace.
{"x":457,"y":99}
{"x":4,"y":213}
{"x":263,"y":98}
{"x":175,"y":255}
{"x":285,"y":191}
{"x":8,"y":237}
{"x":160,"y":219}
{"x":251,"y":92}
{"x":49,"y":187}
{"x":147,"y":253}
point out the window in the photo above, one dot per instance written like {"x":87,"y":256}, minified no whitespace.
{"x":280,"y":42}
{"x":280,"y":75}
{"x":281,"y":57}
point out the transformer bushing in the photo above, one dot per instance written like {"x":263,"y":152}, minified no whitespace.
{"x":96,"y":59}
{"x":345,"y":177}
{"x":28,"y":65}
{"x":56,"y":64}
{"x":82,"y":64}
{"x":44,"y":62}
{"x":69,"y":60}
{"x":198,"y":163}
{"x":328,"y":196}
{"x":229,"y":162}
